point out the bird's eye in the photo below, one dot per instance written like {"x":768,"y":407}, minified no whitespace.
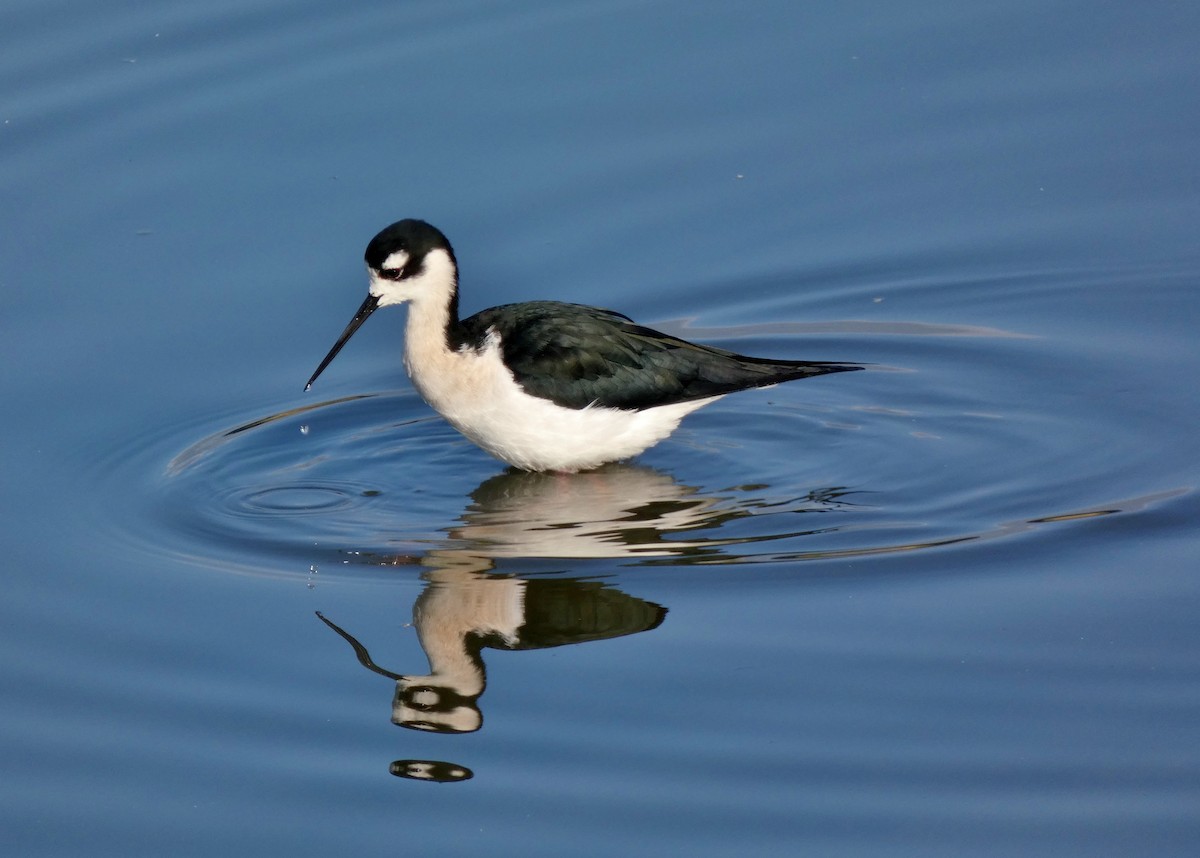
{"x":390,"y":273}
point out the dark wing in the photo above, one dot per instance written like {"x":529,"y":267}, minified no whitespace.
{"x":577,"y":356}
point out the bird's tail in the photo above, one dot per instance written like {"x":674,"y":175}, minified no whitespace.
{"x":760,"y":372}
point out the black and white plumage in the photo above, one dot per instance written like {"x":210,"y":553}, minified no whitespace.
{"x":546,"y":385}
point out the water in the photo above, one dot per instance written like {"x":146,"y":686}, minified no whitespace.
{"x":945,"y":606}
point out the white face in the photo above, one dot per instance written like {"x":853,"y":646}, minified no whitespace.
{"x":435,"y":280}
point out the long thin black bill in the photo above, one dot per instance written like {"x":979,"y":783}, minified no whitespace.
{"x":364,"y":657}
{"x":367,"y":308}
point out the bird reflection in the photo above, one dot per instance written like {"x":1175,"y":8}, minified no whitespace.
{"x":468,"y":606}
{"x":460,"y":613}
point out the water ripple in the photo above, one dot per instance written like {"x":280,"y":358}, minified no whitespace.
{"x":943,"y":454}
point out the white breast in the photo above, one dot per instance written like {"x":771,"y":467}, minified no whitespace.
{"x":478,"y":395}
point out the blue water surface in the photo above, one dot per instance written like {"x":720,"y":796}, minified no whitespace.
{"x":943,"y":607}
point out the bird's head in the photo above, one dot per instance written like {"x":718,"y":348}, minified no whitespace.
{"x":410,"y":261}
{"x":407,"y":261}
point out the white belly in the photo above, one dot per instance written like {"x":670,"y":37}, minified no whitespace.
{"x":476,"y":393}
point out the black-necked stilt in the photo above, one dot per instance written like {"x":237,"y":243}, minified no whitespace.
{"x":544,"y":385}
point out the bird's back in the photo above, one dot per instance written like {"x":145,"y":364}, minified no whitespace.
{"x":576,"y":356}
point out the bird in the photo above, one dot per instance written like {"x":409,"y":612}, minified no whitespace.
{"x":545,"y":385}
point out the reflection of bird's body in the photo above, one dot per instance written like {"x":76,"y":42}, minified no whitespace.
{"x":544,"y":385}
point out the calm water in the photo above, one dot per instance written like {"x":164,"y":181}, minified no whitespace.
{"x":944,"y":607}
